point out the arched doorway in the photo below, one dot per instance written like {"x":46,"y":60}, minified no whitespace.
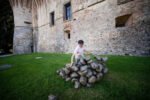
{"x":6,"y":27}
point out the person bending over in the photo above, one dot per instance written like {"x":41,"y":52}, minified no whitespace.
{"x":78,"y":52}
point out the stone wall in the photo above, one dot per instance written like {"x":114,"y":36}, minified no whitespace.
{"x":94,"y":22}
{"x":23,"y":31}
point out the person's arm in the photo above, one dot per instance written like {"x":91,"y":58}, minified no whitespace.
{"x":72,"y":58}
{"x":86,"y":51}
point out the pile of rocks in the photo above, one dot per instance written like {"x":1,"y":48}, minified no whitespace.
{"x":85,"y":72}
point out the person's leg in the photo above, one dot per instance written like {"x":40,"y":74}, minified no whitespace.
{"x":78,"y":63}
{"x":77,"y":59}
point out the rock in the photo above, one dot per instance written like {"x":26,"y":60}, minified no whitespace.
{"x":62,"y":74}
{"x":38,"y":57}
{"x":68,"y":79}
{"x":63,"y":69}
{"x":105,"y":70}
{"x":89,"y":73}
{"x":68,"y":65}
{"x":82,"y":61}
{"x":92,"y":79}
{"x":74,"y":80}
{"x":100,"y":68}
{"x":67,"y":71}
{"x":84,"y":73}
{"x":88,"y":85}
{"x":83,"y":68}
{"x":97,"y":57}
{"x":77,"y":85}
{"x":57,"y":71}
{"x":80,"y":73}
{"x":64,"y":77}
{"x":104,"y":59}
{"x":74,"y":68}
{"x":99,"y":76}
{"x":94,"y":65}
{"x":83,"y":80}
{"x":88,"y":66}
{"x":104,"y":65}
{"x":87,"y":58}
{"x":94,"y":72}
{"x":79,"y":65}
{"x":74,"y":74}
{"x":90,"y":61}
{"x":5,"y":67}
{"x":52,"y":97}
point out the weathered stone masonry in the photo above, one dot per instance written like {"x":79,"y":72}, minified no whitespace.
{"x":94,"y":21}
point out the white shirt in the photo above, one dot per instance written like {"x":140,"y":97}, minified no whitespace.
{"x":79,"y":52}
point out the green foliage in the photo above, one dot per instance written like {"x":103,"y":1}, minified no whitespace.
{"x":6,"y":26}
{"x":35,"y":79}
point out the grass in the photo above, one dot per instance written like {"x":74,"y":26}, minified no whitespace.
{"x":35,"y":79}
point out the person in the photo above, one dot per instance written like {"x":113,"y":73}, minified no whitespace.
{"x":78,"y":52}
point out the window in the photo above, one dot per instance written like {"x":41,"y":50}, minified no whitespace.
{"x":123,"y":1}
{"x":121,"y":21}
{"x":68,"y":35}
{"x":67,"y":11}
{"x":52,"y":18}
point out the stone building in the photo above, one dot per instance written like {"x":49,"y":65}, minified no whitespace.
{"x":117,"y":27}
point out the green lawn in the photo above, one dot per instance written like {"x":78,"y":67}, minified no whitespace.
{"x":32,"y":79}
